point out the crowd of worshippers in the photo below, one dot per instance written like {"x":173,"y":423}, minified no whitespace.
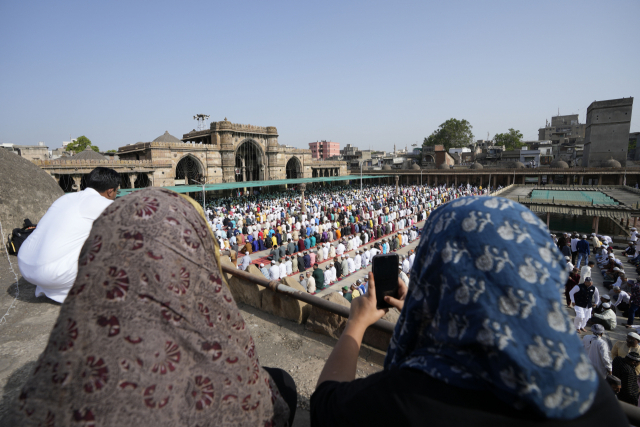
{"x":591,"y":307}
{"x":150,"y":335}
{"x":260,"y":222}
{"x":619,"y":364}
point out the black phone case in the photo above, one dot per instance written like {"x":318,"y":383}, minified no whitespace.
{"x":386,"y":279}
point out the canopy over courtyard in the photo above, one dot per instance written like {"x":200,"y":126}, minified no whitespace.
{"x":248,"y":184}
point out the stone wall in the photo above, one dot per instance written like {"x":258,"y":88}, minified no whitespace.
{"x":286,"y":307}
{"x":326,"y":323}
{"x":266,"y":300}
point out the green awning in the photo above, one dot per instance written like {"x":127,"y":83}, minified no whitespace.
{"x":248,"y":184}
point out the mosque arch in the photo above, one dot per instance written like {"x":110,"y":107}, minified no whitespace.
{"x":142,"y":181}
{"x":294,"y":168}
{"x":428,"y":158}
{"x":249,"y":161}
{"x":189,"y":169}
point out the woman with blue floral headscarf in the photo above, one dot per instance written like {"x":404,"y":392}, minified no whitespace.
{"x":482,"y":337}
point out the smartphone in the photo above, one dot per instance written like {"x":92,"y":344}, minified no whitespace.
{"x":385,"y":274}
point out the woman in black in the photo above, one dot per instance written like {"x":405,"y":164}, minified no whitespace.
{"x":482,"y":338}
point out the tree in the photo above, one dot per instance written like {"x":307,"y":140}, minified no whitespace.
{"x":112,"y":151}
{"x":511,"y":140}
{"x":80,"y":144}
{"x":452,"y":133}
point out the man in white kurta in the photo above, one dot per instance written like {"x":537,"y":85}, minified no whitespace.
{"x":49,"y":256}
{"x":599,"y":352}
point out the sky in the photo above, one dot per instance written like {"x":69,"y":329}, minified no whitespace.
{"x":367,"y":73}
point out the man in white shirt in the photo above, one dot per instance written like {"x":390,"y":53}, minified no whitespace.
{"x":406,"y":266}
{"x":311,"y":283}
{"x":358,"y":260}
{"x":283,"y":269}
{"x":289,"y":266}
{"x":274,"y":271}
{"x":340,"y":249}
{"x":366,"y":256}
{"x":350,"y":264}
{"x":49,"y":256}
{"x":412,"y":257}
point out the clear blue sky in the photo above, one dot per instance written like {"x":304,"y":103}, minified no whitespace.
{"x":369,"y":73}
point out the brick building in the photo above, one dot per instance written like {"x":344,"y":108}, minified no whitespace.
{"x":324,"y":149}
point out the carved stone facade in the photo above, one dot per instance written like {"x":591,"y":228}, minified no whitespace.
{"x":226,"y":152}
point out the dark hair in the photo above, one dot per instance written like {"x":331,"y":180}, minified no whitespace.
{"x":103,"y":179}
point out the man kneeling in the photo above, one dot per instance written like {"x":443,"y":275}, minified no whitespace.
{"x":49,"y":256}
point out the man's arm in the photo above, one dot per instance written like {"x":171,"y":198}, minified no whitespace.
{"x":572,"y":292}
{"x":596,"y":294}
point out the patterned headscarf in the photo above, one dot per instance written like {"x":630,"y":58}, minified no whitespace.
{"x":484,"y":312}
{"x":149,"y":334}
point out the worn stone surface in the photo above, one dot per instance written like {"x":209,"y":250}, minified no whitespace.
{"x":243,"y":291}
{"x":284,"y":306}
{"x":24,"y":330}
{"x":26,"y":192}
{"x":326,"y":323}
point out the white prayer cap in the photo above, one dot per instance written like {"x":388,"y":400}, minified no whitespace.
{"x":634,"y":335}
{"x":273,"y":262}
{"x":261,"y":265}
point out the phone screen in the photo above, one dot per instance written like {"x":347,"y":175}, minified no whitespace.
{"x":385,"y":274}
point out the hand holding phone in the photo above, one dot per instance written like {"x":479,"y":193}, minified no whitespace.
{"x":385,"y":274}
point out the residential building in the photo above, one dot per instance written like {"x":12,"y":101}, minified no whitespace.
{"x":607,"y":133}
{"x":324,"y":149}
{"x":563,"y":129}
{"x":459,"y":150}
{"x":30,"y":152}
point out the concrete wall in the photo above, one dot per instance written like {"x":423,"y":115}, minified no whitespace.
{"x":326,"y":323}
{"x":266,"y":300}
{"x":607,"y":133}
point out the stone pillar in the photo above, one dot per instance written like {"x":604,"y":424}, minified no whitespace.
{"x":133,"y":177}
{"x":150,"y":176}
{"x":397,"y":181}
{"x":227,"y":152}
{"x":581,"y":179}
{"x":455,"y":178}
{"x":539,"y":179}
{"x":635,"y":221}
{"x":447,"y":180}
{"x":548,"y":219}
{"x":494,"y":182}
{"x":468,"y":179}
{"x":302,"y":188}
{"x":620,"y":180}
{"x":597,"y":222}
{"x":77,"y":182}
{"x":600,"y":179}
{"x":57,"y":178}
{"x":481,"y":176}
{"x":568,"y":179}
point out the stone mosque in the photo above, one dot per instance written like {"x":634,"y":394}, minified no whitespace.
{"x":226,"y":152}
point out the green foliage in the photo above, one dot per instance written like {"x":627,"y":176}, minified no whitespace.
{"x":80,"y":144}
{"x":511,"y":140}
{"x":111,"y":151}
{"x":453,"y":133}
